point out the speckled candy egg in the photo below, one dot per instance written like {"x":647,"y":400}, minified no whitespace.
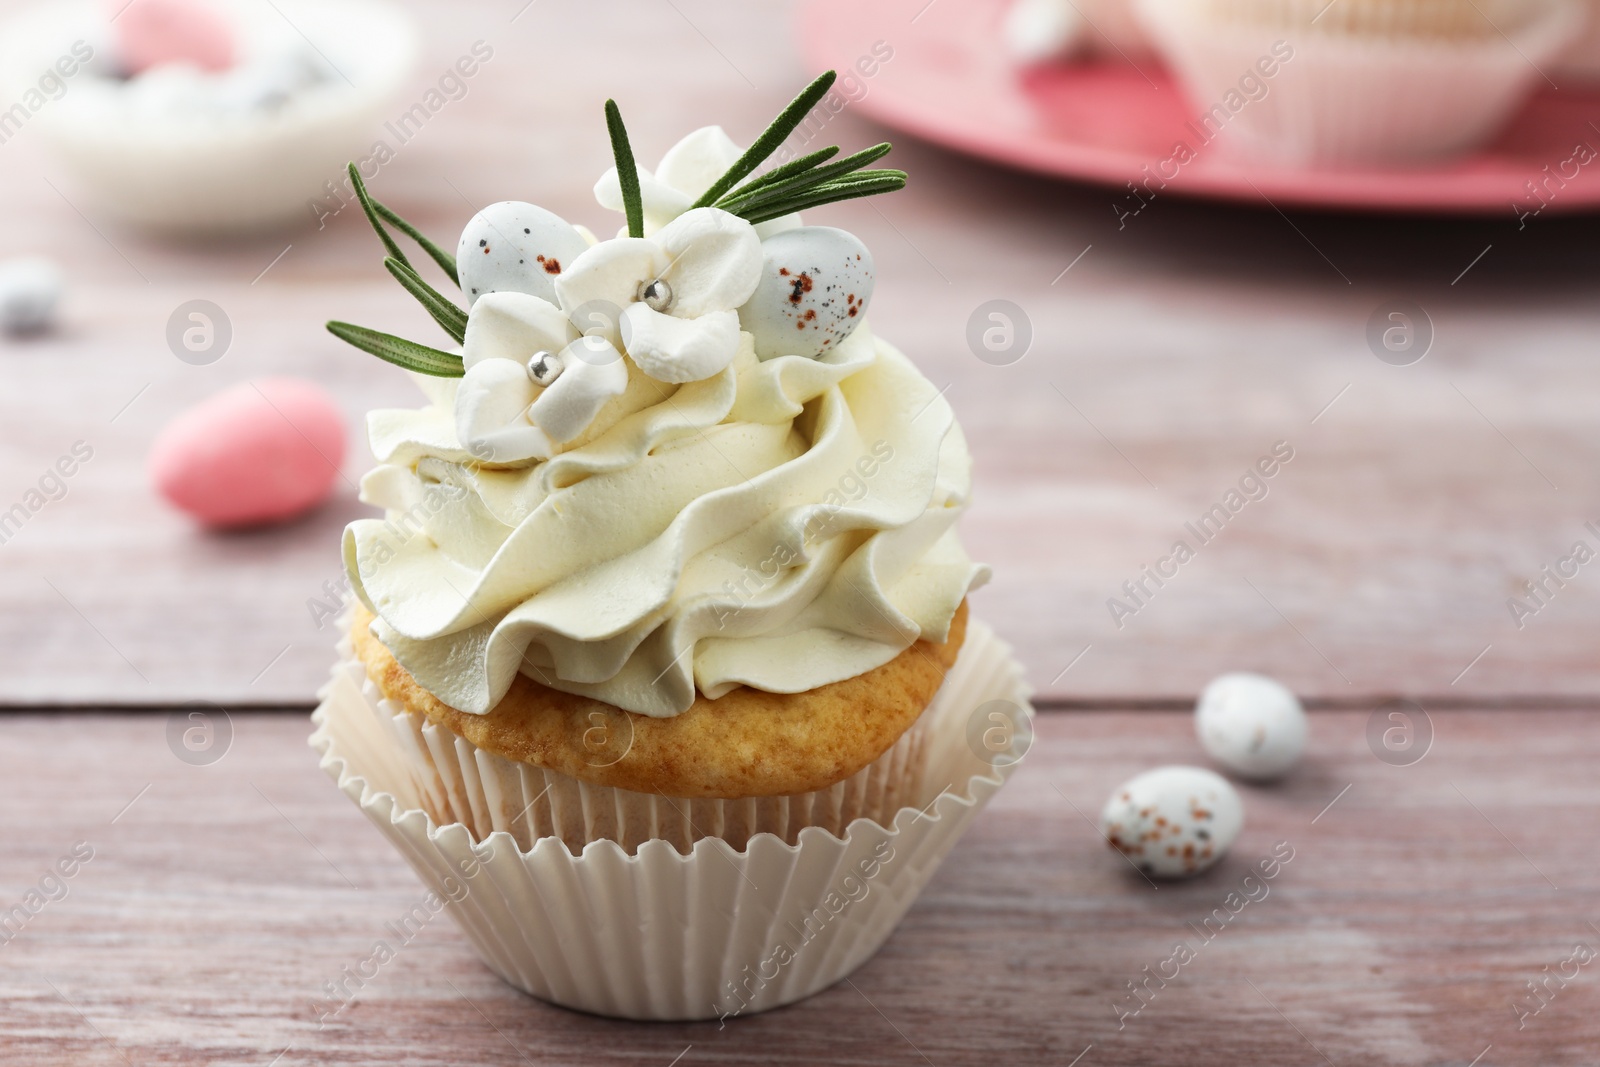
{"x":513,"y":247}
{"x":1251,"y":724}
{"x":816,"y":282}
{"x":29,"y":292}
{"x":1173,"y":822}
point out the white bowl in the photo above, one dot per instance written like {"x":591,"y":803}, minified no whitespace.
{"x":209,"y":174}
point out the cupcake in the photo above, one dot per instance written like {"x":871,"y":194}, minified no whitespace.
{"x":216,"y":116}
{"x":668,"y":568}
{"x":1313,"y":82}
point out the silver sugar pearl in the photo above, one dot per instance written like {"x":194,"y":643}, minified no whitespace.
{"x":544,"y":367}
{"x":657,"y":295}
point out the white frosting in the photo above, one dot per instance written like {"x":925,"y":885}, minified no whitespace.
{"x":621,"y":500}
{"x":780,"y":524}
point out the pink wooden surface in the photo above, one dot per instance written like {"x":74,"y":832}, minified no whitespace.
{"x":1418,"y":904}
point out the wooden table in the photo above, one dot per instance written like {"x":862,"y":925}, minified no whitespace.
{"x":1418,"y":903}
{"x":1171,"y":355}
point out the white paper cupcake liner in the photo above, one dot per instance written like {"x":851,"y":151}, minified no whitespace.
{"x":456,"y":781}
{"x":1117,"y":28}
{"x":1348,"y":98}
{"x":660,"y":934}
{"x":1580,"y":61}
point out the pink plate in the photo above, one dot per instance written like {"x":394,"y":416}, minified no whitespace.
{"x":948,"y":80}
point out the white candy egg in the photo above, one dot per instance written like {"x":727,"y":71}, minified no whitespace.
{"x":1251,"y":724}
{"x":271,"y":81}
{"x":1035,"y":31}
{"x":1173,"y":822}
{"x":172,"y":90}
{"x":513,"y":247}
{"x":29,"y":292}
{"x":816,"y":282}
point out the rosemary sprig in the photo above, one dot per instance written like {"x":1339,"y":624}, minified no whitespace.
{"x":747,"y":197}
{"x":786,"y":123}
{"x":378,"y":213}
{"x":627,"y":170}
{"x":399,"y":351}
{"x":449,"y":317}
{"x":869,"y":184}
{"x":777,"y":174}
{"x":806,"y":182}
{"x":446,"y":261}
{"x":371,"y":211}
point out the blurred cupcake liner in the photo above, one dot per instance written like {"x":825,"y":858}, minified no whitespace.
{"x":1580,"y":61}
{"x":642,"y":929}
{"x":1430,"y":19}
{"x":1384,"y":85}
{"x":1116,"y":28}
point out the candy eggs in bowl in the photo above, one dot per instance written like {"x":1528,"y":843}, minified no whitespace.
{"x":237,"y":115}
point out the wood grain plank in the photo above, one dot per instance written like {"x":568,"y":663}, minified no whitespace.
{"x":1172,"y":356}
{"x":1414,"y":910}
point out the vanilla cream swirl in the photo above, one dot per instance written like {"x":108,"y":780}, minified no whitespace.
{"x":782,"y":525}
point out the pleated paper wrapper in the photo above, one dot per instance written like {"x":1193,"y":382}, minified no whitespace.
{"x":1379,"y":96}
{"x":643,"y":907}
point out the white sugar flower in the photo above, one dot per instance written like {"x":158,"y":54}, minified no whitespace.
{"x":532,"y":381}
{"x":672,"y":298}
{"x":688,"y":169}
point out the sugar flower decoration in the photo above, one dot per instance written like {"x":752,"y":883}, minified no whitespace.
{"x":532,"y":382}
{"x":668,"y":293}
{"x":676,"y":294}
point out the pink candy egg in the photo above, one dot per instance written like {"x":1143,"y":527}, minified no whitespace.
{"x":150,"y":33}
{"x":258,"y":453}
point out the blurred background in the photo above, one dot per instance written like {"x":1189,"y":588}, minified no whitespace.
{"x":1167,"y":337}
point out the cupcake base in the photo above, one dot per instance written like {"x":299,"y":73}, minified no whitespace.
{"x":652,"y":932}
{"x":455,"y":781}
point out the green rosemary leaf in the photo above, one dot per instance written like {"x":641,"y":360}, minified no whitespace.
{"x":871,"y":183}
{"x":399,"y":351}
{"x":450,"y":317}
{"x":777,"y":174}
{"x":740,"y":202}
{"x":372,"y":215}
{"x":446,"y":261}
{"x":785,"y":124}
{"x":627,"y":170}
